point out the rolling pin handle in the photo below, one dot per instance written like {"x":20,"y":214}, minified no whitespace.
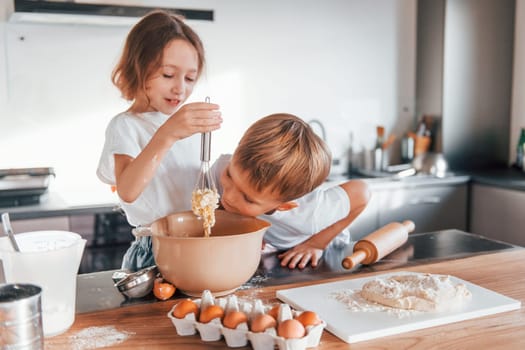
{"x":353,"y":260}
{"x":410,"y":226}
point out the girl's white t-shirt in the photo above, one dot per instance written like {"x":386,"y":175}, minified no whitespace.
{"x":170,"y":189}
{"x":316,"y":210}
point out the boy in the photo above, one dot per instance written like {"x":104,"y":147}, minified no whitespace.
{"x":274,"y":174}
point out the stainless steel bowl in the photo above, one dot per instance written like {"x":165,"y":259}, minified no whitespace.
{"x":431,"y":163}
{"x":138,"y":284}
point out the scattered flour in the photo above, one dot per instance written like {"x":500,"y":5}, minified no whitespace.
{"x":255,"y":282}
{"x":96,"y":337}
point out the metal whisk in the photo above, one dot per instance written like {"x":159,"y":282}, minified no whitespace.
{"x":205,"y":198}
{"x":205,"y":181}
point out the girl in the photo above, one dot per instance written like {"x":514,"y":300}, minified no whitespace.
{"x":151,"y":151}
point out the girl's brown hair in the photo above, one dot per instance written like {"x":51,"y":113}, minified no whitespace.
{"x":281,"y":153}
{"x":143,"y":49}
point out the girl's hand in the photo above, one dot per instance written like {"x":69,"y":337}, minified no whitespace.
{"x":192,"y":118}
{"x":301,"y":255}
{"x":134,"y":174}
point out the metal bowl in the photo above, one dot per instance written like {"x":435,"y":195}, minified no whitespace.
{"x":431,"y":163}
{"x":138,"y":284}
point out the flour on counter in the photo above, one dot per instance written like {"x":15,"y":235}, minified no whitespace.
{"x":355,"y":302}
{"x":406,"y":294}
{"x":95,"y":338}
{"x":417,"y":291}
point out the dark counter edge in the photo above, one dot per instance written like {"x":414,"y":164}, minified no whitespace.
{"x":507,"y":178}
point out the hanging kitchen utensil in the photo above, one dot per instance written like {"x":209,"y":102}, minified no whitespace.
{"x":9,"y":231}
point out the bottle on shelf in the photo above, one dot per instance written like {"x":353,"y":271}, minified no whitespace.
{"x":378,"y":149}
{"x":407,"y":149}
{"x":520,"y":150}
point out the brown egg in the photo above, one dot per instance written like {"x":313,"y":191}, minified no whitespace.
{"x":274,"y":311}
{"x":210,"y":313}
{"x":262,"y":322}
{"x":291,"y":329}
{"x":234,"y":318}
{"x":163,"y":290}
{"x":185,"y":307}
{"x":308,"y":318}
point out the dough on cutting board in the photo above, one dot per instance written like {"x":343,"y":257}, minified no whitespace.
{"x":422,"y":292}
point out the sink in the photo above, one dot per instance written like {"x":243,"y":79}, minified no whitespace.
{"x":397,"y":172}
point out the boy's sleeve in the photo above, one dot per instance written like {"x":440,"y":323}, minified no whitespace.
{"x":333,"y":205}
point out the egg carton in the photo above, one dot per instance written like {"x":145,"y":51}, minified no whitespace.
{"x":241,"y":335}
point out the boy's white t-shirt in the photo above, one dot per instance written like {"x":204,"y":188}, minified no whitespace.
{"x":316,"y":210}
{"x":170,"y":189}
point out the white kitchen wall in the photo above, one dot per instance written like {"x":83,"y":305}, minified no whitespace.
{"x":5,"y":8}
{"x":348,"y":63}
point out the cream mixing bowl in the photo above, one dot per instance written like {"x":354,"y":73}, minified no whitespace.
{"x":220,"y":263}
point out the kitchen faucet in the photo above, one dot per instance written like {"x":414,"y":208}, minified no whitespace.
{"x":321,"y":126}
{"x":338,"y":166}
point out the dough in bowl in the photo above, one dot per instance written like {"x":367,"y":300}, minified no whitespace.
{"x":422,"y":292}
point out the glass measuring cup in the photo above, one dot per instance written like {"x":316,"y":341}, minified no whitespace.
{"x":49,"y":259}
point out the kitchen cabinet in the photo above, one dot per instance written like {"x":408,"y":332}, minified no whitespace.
{"x":108,"y":236}
{"x":98,"y":229}
{"x":431,"y":207}
{"x":367,"y":221}
{"x":497,"y":213}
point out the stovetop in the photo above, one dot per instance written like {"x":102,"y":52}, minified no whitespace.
{"x":24,"y":186}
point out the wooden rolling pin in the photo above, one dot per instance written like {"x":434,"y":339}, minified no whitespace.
{"x":379,"y":243}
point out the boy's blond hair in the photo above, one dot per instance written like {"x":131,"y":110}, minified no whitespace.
{"x":281,"y":153}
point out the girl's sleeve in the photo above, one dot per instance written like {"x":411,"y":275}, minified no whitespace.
{"x":121,"y":138}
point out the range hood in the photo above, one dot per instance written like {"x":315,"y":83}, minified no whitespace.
{"x":79,"y":11}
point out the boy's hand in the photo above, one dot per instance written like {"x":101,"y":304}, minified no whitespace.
{"x":301,"y":255}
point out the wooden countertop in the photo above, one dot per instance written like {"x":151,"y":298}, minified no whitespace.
{"x":148,"y":327}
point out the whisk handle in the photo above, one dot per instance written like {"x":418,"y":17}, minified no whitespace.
{"x":205,"y":146}
{"x":206,"y":142}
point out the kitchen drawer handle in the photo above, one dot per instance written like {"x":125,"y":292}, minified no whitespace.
{"x":425,"y":200}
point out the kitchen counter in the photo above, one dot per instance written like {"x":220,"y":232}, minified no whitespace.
{"x":146,"y":326}
{"x":54,"y":203}
{"x":393,"y":182}
{"x":509,"y":178}
{"x":95,"y":291}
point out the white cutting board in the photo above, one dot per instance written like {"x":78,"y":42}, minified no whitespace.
{"x":354,"y":326}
